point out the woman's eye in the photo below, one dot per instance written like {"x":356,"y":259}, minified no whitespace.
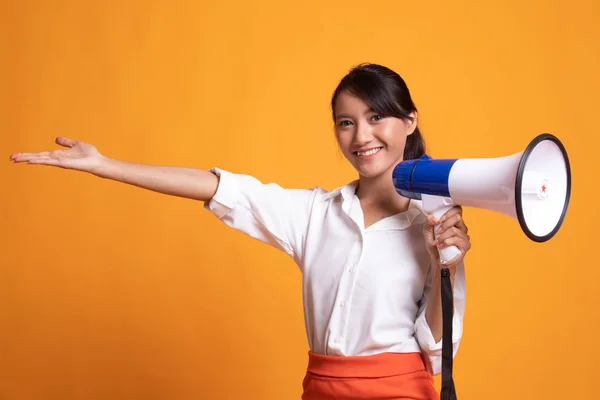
{"x":345,"y":123}
{"x":377,"y":117}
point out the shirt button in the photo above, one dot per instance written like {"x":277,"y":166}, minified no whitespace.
{"x":342,"y":304}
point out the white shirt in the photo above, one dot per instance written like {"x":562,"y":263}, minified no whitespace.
{"x":364,"y":290}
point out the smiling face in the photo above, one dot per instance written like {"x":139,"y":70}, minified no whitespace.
{"x":372,"y":142}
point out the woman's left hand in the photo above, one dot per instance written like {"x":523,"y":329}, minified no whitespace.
{"x":452,"y":232}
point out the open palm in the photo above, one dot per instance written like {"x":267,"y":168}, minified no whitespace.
{"x":77,"y":155}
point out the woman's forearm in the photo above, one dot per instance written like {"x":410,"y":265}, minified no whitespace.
{"x":177,"y":181}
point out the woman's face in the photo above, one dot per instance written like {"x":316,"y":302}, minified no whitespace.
{"x":373,"y":144}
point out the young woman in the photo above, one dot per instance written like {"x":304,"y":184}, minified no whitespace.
{"x":368,"y":256}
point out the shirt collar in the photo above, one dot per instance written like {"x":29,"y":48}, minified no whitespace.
{"x":413,"y":215}
{"x":347,"y":192}
{"x":396,"y":222}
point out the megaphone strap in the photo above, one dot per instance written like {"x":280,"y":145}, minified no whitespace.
{"x":448,"y":391}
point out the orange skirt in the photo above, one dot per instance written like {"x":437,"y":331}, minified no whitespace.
{"x":390,"y":376}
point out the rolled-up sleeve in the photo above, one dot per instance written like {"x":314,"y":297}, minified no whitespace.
{"x":432,"y":349}
{"x":267,"y":212}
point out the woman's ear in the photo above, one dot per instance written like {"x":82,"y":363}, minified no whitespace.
{"x":411,"y":123}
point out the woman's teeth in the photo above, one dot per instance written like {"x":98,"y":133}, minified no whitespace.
{"x":369,"y":152}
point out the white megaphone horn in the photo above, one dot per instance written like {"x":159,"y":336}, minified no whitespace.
{"x":533,"y":186}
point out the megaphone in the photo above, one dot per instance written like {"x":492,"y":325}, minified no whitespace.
{"x":532,"y":186}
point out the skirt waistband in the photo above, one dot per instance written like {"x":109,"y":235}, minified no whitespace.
{"x":373,"y":366}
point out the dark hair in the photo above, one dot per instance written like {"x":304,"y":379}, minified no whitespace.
{"x":387,"y":94}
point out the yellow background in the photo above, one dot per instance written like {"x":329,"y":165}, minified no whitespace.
{"x":112,"y":292}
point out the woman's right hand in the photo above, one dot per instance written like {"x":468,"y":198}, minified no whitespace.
{"x":78,"y":155}
{"x":185,"y":182}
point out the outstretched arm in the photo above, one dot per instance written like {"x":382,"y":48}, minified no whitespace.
{"x":176,"y":181}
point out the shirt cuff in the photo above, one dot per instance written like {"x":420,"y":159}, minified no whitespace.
{"x":432,"y":349}
{"x":225,"y":198}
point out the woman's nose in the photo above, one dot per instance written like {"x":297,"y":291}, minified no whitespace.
{"x":364,"y":134}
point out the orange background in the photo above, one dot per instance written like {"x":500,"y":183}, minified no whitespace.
{"x":112,"y":292}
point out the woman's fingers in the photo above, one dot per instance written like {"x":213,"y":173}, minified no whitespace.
{"x":452,"y":220}
{"x":449,"y":222}
{"x":37,"y":158}
{"x":452,"y":231}
{"x":56,"y":157}
{"x":21,"y":157}
{"x":458,"y":239}
{"x":28,"y":156}
{"x":41,"y":154}
{"x":63,"y":141}
{"x":25,"y":155}
{"x":47,"y":161}
{"x":431,"y":220}
{"x":449,"y":233}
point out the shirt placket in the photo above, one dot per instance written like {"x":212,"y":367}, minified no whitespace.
{"x":348,"y":282}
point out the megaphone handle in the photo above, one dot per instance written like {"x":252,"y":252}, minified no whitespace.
{"x":438,"y":206}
